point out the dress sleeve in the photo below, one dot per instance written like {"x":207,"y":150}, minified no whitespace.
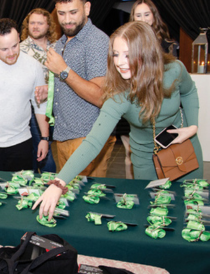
{"x":109,"y":116}
{"x":189,"y":96}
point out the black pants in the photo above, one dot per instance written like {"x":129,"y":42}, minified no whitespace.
{"x":17,"y":157}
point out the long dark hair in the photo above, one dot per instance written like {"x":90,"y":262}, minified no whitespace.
{"x":158,"y":25}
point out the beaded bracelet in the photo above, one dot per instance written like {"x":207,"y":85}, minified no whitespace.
{"x":58,"y":184}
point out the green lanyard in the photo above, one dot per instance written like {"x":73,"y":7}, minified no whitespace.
{"x":3,"y":196}
{"x":195,"y":225}
{"x":125,"y":202}
{"x":126,"y":205}
{"x":61,"y":205}
{"x":167,"y":185}
{"x":96,"y":192}
{"x":162,"y":198}
{"x":69,"y":196}
{"x":194,"y":202}
{"x":195,"y":235}
{"x":98,"y":186}
{"x":50,"y":98}
{"x":91,"y":199}
{"x":155,"y":232}
{"x":47,"y":176}
{"x":93,"y":217}
{"x":23,"y":204}
{"x":11,"y":190}
{"x":116,"y":226}
{"x":159,"y":211}
{"x":44,"y":221}
{"x":159,"y":220}
{"x":32,"y":197}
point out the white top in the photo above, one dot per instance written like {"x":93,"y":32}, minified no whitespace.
{"x":17,"y":87}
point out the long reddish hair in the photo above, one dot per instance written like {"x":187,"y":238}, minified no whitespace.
{"x":51,"y":33}
{"x":146,"y":60}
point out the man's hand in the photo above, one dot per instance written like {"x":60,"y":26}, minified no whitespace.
{"x":41,"y":93}
{"x":55,"y":62}
{"x":42,"y":150}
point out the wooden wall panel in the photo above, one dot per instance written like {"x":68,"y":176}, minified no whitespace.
{"x":185,"y":50}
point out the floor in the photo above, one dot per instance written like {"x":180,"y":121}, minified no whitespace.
{"x":116,"y":167}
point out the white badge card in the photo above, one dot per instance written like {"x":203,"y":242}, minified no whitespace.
{"x":157,"y":183}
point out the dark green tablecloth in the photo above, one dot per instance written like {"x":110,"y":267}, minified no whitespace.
{"x":172,"y":252}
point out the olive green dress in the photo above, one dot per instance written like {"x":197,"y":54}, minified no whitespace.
{"x":141,"y":135}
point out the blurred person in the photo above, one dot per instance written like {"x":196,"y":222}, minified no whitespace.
{"x":146,"y":11}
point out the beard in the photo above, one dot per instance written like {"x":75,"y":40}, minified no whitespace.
{"x":38,"y":36}
{"x":13,"y":61}
{"x":73,"y":32}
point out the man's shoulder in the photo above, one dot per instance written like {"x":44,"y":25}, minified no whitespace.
{"x":25,"y":43}
{"x":27,"y":40}
{"x":94,"y":33}
{"x":26,"y":58}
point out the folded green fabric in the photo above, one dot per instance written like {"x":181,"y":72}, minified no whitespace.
{"x":116,"y":226}
{"x":44,"y":221}
{"x":155,"y":232}
{"x":93,"y":217}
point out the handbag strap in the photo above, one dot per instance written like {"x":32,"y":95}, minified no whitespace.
{"x":156,"y":147}
{"x":23,"y":246}
{"x":11,"y":261}
{"x":43,"y":258}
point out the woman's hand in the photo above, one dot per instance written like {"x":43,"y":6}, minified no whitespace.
{"x":49,"y":200}
{"x":184,"y":133}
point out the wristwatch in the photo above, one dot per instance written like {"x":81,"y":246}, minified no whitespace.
{"x":64,"y":74}
{"x":45,"y":138}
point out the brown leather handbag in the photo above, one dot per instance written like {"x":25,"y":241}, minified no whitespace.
{"x":175,"y":161}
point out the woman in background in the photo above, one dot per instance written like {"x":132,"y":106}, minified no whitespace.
{"x":142,"y":85}
{"x":145,"y":10}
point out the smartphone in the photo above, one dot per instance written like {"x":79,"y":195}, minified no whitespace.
{"x":165,"y":138}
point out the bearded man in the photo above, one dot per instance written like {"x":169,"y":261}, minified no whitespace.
{"x":79,"y":63}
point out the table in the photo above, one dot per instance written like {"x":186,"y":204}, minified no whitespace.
{"x":172,"y":252}
{"x":202,"y":82}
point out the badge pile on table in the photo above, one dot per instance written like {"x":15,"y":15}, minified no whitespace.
{"x":26,"y":189}
{"x":197,"y":213}
{"x":31,"y":188}
{"x":122,"y":201}
{"x":158,"y":219}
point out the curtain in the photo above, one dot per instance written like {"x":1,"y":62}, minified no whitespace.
{"x":100,"y":10}
{"x":190,"y":15}
{"x":18,"y":9}
{"x":187,"y":14}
